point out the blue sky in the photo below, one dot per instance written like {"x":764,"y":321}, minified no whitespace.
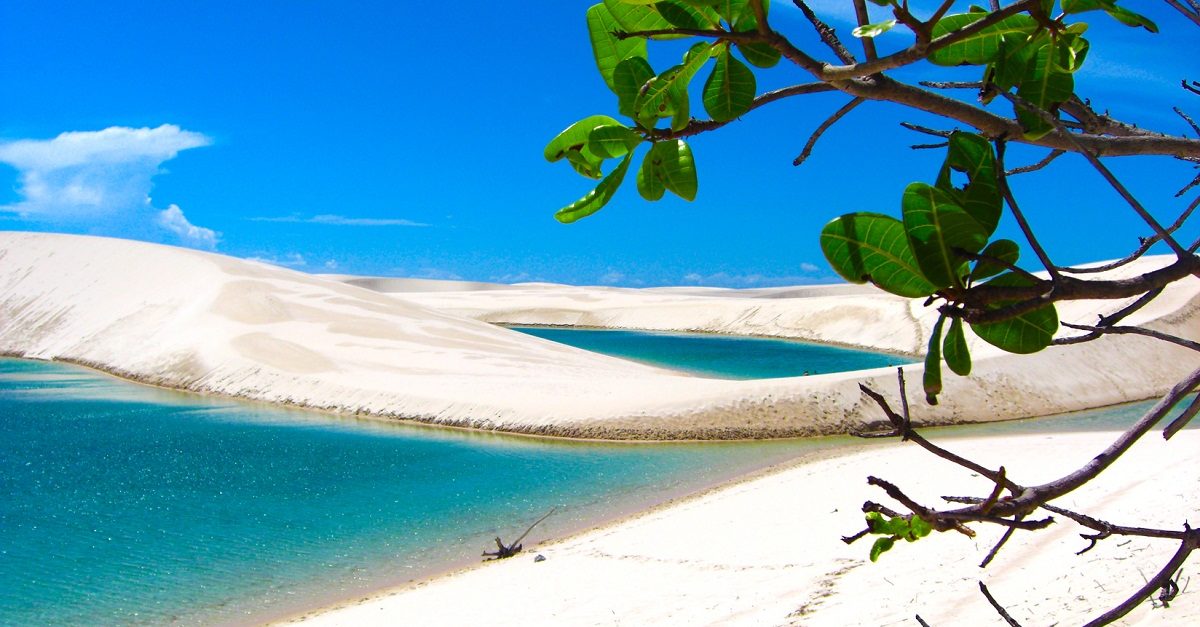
{"x":375,"y":138}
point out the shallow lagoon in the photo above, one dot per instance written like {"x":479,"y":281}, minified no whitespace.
{"x":121,"y":503}
{"x":719,"y":356}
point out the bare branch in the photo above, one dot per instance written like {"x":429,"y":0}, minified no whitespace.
{"x":1008,"y":533}
{"x":1189,"y":543}
{"x":1158,"y":335}
{"x":1192,"y":14}
{"x":951,"y":84}
{"x":1020,"y":217}
{"x":996,"y":606}
{"x":1182,"y":421}
{"x":868,"y":43}
{"x":1054,"y":154}
{"x":1188,"y":119}
{"x":829,"y":122}
{"x":827,"y":34}
{"x":925,"y":129}
{"x":1143,"y":247}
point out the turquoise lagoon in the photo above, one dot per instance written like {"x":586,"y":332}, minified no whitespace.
{"x":719,"y":356}
{"x":122,"y":503}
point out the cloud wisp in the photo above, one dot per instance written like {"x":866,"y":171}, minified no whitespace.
{"x":339,"y":220}
{"x":102,"y":179}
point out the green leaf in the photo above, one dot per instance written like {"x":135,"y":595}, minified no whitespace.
{"x":612,"y":141}
{"x":607,"y":49}
{"x":920,"y":528}
{"x":1005,"y":250}
{"x":666,"y":94}
{"x":958,"y":356}
{"x":972,"y":154}
{"x":681,"y":15}
{"x":671,"y":162}
{"x":881,"y":546}
{"x":932,"y":381}
{"x":628,"y":78}
{"x":1078,"y":48}
{"x":729,"y":90}
{"x":981,"y":47}
{"x":594,"y":200}
{"x":874,"y":521}
{"x":731,"y":10}
{"x":650,"y":181}
{"x":1046,"y":84}
{"x":936,"y":227}
{"x":639,"y":17}
{"x":759,"y":54}
{"x":1027,"y":333}
{"x":585,"y":162}
{"x":575,"y":137}
{"x":873,"y":30}
{"x":1121,"y":14}
{"x":873,"y":247}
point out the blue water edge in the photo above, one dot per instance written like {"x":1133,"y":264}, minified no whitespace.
{"x":722,"y":357}
{"x":126,"y":504}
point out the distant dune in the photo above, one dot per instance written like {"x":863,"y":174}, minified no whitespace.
{"x":418,"y":350}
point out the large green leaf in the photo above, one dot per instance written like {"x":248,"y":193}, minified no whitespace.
{"x":628,"y":78}
{"x":932,"y":379}
{"x":607,"y":49}
{"x":682,"y":15}
{"x":958,"y":356}
{"x":759,"y":54}
{"x":1003,"y":250}
{"x":594,"y":200}
{"x":873,"y":30}
{"x":972,"y":154}
{"x":575,"y":137}
{"x":666,"y":94}
{"x":671,"y":162}
{"x":872,"y":247}
{"x":981,"y":47}
{"x":936,"y":226}
{"x":639,"y":17}
{"x":1121,"y":14}
{"x":609,"y":142}
{"x":881,"y":546}
{"x":1047,"y":83}
{"x":729,"y":90}
{"x":1027,"y":333}
{"x":649,"y":181}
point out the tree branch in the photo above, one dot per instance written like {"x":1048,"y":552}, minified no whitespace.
{"x":829,"y":122}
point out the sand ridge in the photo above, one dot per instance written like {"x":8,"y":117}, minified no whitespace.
{"x":214,"y":324}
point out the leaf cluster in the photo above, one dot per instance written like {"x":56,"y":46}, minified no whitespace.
{"x":909,"y":528}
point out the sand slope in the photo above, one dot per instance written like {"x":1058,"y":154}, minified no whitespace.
{"x":209,"y":323}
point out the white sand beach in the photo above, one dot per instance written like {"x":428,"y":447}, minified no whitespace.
{"x":766,"y":551}
{"x":218,"y":325}
{"x":761,"y":552}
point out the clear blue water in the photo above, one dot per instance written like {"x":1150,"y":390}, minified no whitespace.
{"x":125,"y":504}
{"x":723,"y":357}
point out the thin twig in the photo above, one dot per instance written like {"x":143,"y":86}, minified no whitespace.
{"x":830,"y":121}
{"x":996,"y":606}
{"x":1020,"y":217}
{"x":1008,"y":533}
{"x":1158,"y":335}
{"x":1145,"y":245}
{"x":1054,"y":154}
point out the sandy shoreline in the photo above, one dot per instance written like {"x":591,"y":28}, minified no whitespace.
{"x":764,"y":550}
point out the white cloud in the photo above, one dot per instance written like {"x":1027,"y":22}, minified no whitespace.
{"x":173,"y":220}
{"x":612,"y":277}
{"x":338,"y":220}
{"x":810,"y":273}
{"x":101,"y":179}
{"x":331,"y":264}
{"x":809,"y":268}
{"x":290,"y":260}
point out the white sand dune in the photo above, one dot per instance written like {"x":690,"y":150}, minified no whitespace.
{"x":766,"y":552}
{"x":208,"y":323}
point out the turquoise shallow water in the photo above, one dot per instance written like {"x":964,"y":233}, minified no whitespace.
{"x":122,"y":503}
{"x":723,"y":357}
{"x":125,"y":504}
